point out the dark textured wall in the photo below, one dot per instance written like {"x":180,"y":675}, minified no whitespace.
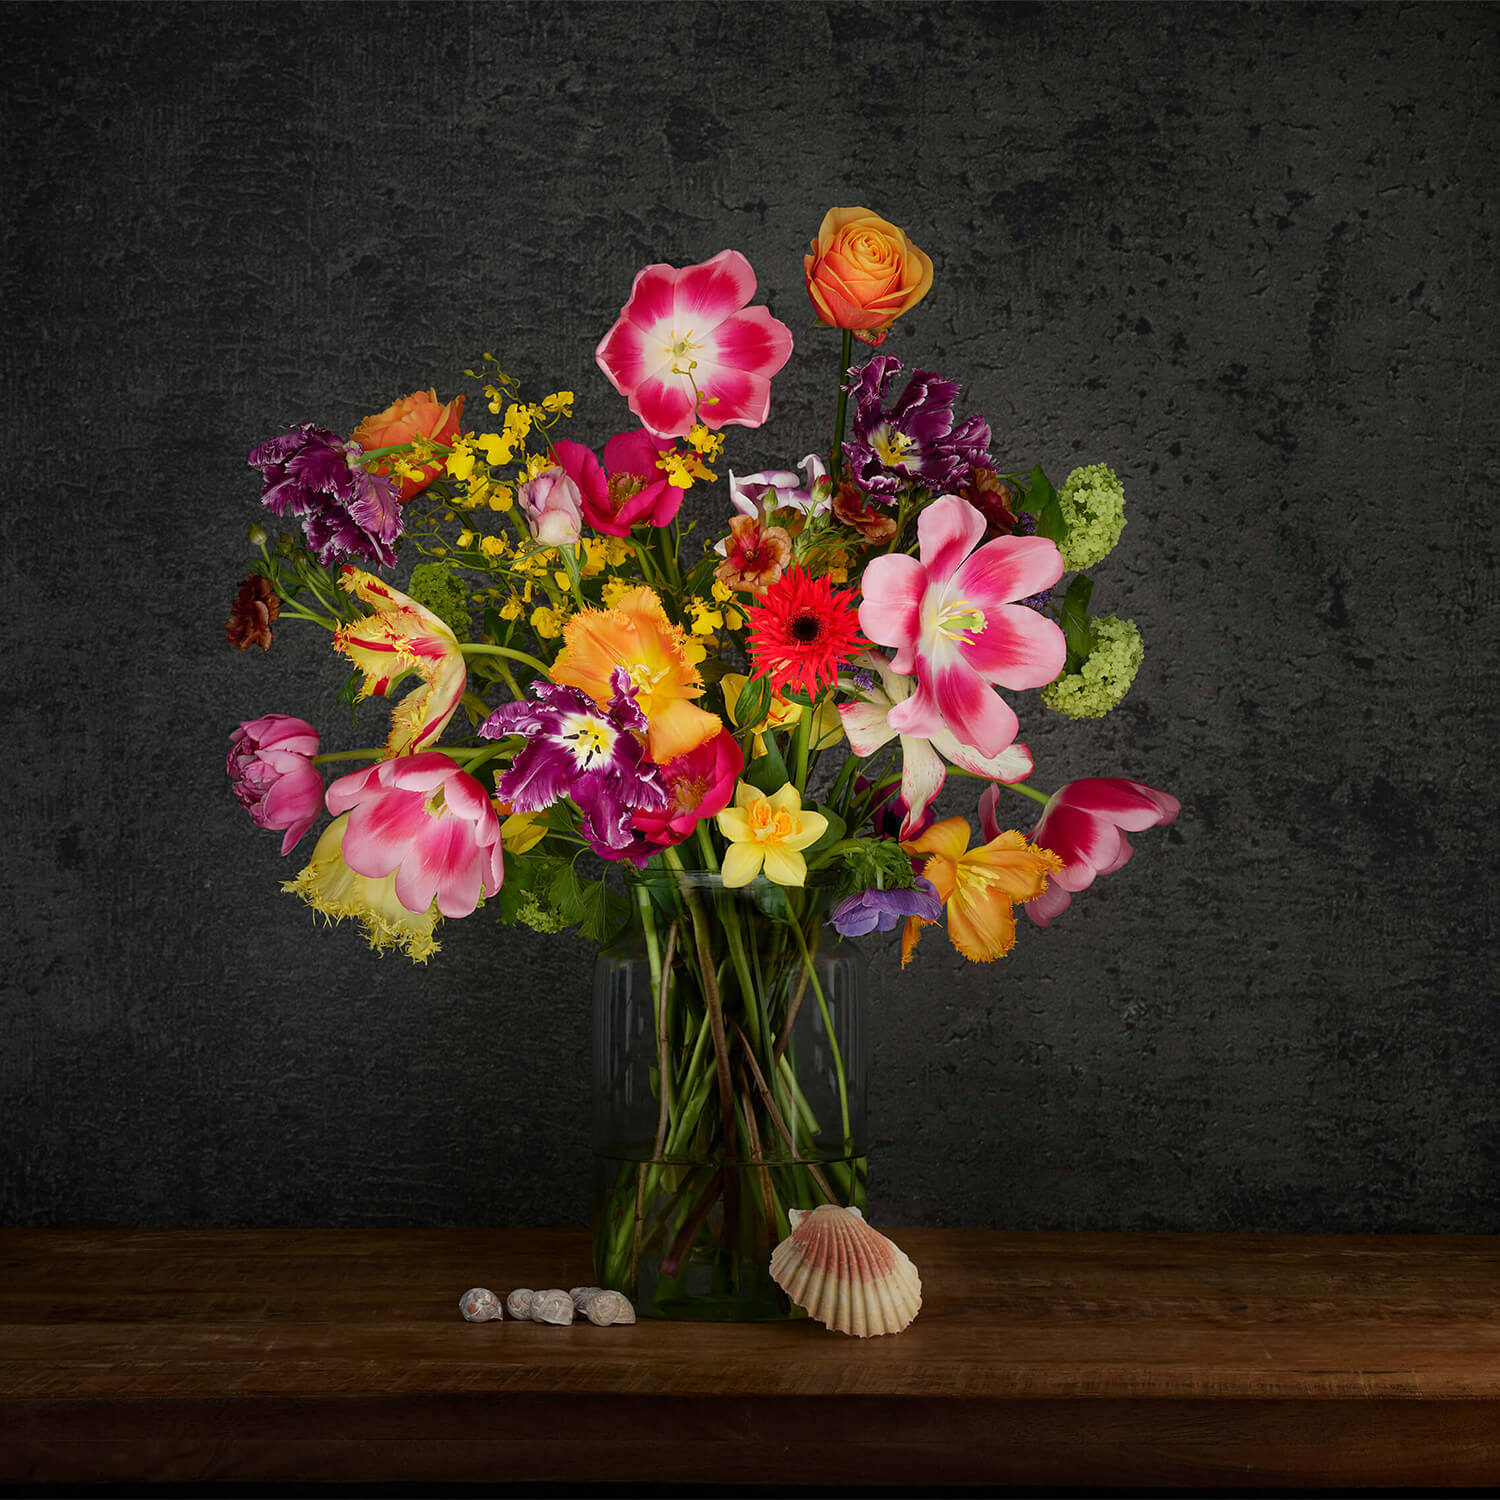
{"x":1247,"y":255}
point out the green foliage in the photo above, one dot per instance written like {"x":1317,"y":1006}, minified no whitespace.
{"x":872,"y":864}
{"x":1074,"y":619}
{"x":1041,"y":501}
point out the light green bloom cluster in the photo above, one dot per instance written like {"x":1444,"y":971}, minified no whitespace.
{"x":1093,"y":505}
{"x":1115,"y":656}
{"x":538,"y":915}
{"x":434,"y":587}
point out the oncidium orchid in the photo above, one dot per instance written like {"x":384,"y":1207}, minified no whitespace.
{"x":768,"y":833}
{"x":400,"y":637}
{"x":980,"y":887}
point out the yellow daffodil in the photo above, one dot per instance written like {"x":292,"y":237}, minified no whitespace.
{"x":637,"y":635}
{"x":980,"y":887}
{"x":768,"y":833}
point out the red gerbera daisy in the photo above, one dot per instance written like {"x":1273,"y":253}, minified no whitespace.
{"x":802,"y":631}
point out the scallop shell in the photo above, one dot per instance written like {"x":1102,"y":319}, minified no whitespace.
{"x":847,"y":1275}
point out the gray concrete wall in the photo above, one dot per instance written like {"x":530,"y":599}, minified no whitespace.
{"x":1245,"y":254}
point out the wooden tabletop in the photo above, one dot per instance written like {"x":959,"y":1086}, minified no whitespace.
{"x":1037,"y":1359}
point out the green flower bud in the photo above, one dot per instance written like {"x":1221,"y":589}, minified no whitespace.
{"x":257,"y":536}
{"x":1093,"y":505}
{"x":1115,"y":655}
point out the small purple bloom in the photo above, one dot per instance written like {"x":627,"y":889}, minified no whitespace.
{"x":884,"y":911}
{"x":576,"y":749}
{"x":915,"y":441}
{"x":345,"y":510}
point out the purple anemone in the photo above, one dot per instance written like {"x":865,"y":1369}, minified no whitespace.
{"x":576,"y":749}
{"x":915,"y":441}
{"x":883,"y":911}
{"x":346,"y":511}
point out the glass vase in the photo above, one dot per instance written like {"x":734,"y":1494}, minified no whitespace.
{"x":729,"y":1066}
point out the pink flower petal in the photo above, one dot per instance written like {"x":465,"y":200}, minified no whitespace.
{"x":740,"y":397}
{"x":948,"y":530}
{"x":950,"y":691}
{"x":628,"y":356}
{"x":345,"y":792}
{"x":865,"y":726}
{"x":1018,"y":648}
{"x":1086,"y":843}
{"x":753,"y":341}
{"x":891,"y":614}
{"x":664,"y":403}
{"x":1009,"y":568}
{"x":707,"y":294}
{"x":1013,"y":763}
{"x":922,"y":777}
{"x":1051,"y":904}
{"x":1131,"y":804}
{"x":653,"y":295}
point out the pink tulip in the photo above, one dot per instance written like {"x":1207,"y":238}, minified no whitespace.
{"x":691,"y":326}
{"x":1085,"y":823}
{"x":553,"y":502}
{"x":952,"y":617}
{"x":422,"y":819}
{"x":700,"y":784}
{"x":638,"y":492}
{"x":272,"y":775}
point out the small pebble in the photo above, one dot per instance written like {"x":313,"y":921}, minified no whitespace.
{"x":479,"y":1305}
{"x":518,"y":1303}
{"x":552,"y":1306}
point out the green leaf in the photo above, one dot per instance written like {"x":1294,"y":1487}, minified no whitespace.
{"x":832,"y":834}
{"x":1041,"y":501}
{"x":770,"y":900}
{"x":767,"y":773}
{"x":1074,"y":620}
{"x":753,"y":703}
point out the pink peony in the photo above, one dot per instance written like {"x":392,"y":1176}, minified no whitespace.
{"x":422,"y":819}
{"x":951,"y":613}
{"x":272,"y":775}
{"x":700,"y":784}
{"x":692,"y":326}
{"x":1085,"y":824}
{"x":638,"y":492}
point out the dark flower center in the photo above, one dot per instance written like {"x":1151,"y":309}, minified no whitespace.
{"x":806,"y":628}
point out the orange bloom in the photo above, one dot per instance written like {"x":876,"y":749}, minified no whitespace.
{"x":980,"y":887}
{"x":863,"y":272}
{"x":637,"y":635}
{"x":420,"y":414}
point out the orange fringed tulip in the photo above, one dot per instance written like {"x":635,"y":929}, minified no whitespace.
{"x":980,"y":887}
{"x":400,"y":637}
{"x":637,"y":635}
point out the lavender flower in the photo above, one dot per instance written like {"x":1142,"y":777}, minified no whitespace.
{"x":883,"y":911}
{"x":916,"y":439}
{"x":576,"y":749}
{"x":346,"y":511}
{"x":784,"y":489}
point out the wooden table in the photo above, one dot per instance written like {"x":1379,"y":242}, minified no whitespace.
{"x":1038,"y":1359}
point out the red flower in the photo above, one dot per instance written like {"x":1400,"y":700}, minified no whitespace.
{"x":802,"y":631}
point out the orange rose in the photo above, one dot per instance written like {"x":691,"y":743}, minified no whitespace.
{"x":863,"y":272}
{"x":420,"y":414}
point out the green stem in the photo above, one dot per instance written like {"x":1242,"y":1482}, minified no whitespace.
{"x":836,"y":462}
{"x":833,"y":1044}
{"x":472,"y":648}
{"x":299,"y":612}
{"x":800,"y":744}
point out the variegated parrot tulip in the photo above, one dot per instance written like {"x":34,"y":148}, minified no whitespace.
{"x":952,"y":616}
{"x":403,"y":636}
{"x":1085,"y":825}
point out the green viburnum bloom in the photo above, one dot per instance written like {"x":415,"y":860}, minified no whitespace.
{"x":538,"y":915}
{"x":1093,"y":505}
{"x":1115,"y":656}
{"x":433,"y":586}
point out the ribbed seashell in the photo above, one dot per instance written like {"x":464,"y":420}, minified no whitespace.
{"x":479,"y":1305}
{"x":552,"y":1306}
{"x":847,"y":1275}
{"x":604,"y":1308}
{"x":518,"y":1303}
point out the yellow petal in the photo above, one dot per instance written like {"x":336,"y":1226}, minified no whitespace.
{"x":784,"y":866}
{"x":734,"y":824}
{"x":811,"y":827}
{"x":788,"y":799}
{"x":741,"y":865}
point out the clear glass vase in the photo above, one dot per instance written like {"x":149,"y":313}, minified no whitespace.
{"x":729,"y":1086}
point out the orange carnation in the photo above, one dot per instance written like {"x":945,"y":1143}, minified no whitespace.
{"x":420,"y":414}
{"x":863,"y":272}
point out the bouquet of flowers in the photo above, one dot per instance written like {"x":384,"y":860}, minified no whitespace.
{"x":728,"y":746}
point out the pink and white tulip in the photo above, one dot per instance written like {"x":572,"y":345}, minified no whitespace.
{"x":553,"y":502}
{"x":868,"y":725}
{"x":690,"y":326}
{"x":272,"y":774}
{"x":952,"y":617}
{"x":431,"y":825}
{"x":1085,"y":824}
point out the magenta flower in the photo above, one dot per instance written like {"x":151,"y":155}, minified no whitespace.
{"x":554,"y":501}
{"x":272,"y":775}
{"x":699,"y":785}
{"x":576,"y":749}
{"x":690,"y":327}
{"x":423,"y":820}
{"x":951,"y":613}
{"x":346,"y":511}
{"x":638,"y":493}
{"x":1085,"y":823}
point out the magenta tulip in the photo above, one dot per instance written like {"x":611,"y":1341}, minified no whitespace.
{"x":272,"y":774}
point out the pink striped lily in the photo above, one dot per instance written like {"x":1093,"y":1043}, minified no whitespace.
{"x":868,"y":725}
{"x":400,"y":637}
{"x":1085,"y":823}
{"x":687,"y":333}
{"x":952,"y":616}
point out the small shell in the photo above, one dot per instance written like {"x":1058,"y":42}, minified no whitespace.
{"x":518,"y":1303}
{"x":605,"y":1308}
{"x":847,"y":1275}
{"x":552,"y":1306}
{"x":581,"y":1294}
{"x":479,"y":1305}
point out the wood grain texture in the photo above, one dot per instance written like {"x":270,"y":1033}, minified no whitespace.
{"x":1037,"y":1358}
